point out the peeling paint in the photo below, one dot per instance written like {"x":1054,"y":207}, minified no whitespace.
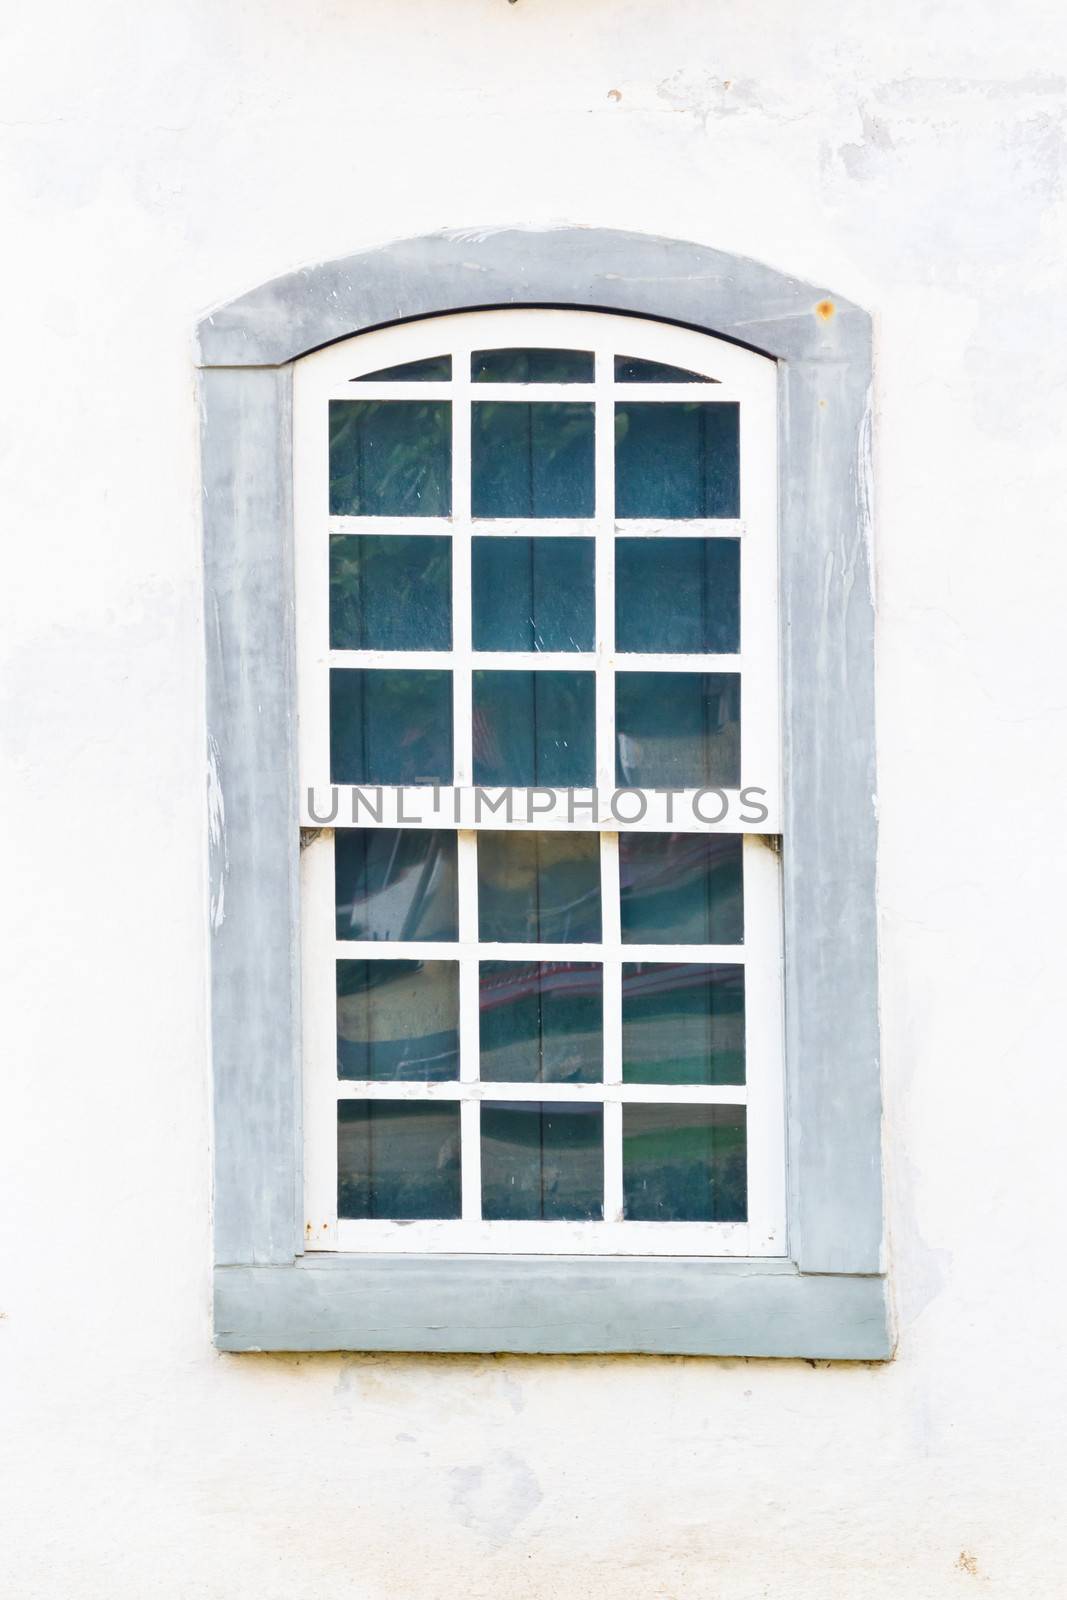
{"x":218,"y":847}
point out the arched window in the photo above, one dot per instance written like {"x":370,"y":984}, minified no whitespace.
{"x":540,"y":700}
{"x":536,"y":596}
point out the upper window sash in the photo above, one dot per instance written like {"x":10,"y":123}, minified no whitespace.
{"x":737,"y":377}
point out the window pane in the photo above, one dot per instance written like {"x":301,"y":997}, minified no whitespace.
{"x":390,"y":458}
{"x":390,"y":726}
{"x":542,"y":1162}
{"x":681,"y":888}
{"x":532,"y":366}
{"x":390,"y":592}
{"x":630,"y":369}
{"x":397,"y":1159}
{"x":398,"y":1019}
{"x":533,"y":594}
{"x":532,"y":460}
{"x":539,"y":888}
{"x":684,"y":1164}
{"x":541,"y":1022}
{"x":535,"y":728}
{"x":395,"y":883}
{"x":678,"y":595}
{"x":679,"y":459}
{"x":678,"y":729}
{"x":683,"y":1024}
{"x":433,"y":369}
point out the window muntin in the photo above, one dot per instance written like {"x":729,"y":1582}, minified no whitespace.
{"x":571,"y":900}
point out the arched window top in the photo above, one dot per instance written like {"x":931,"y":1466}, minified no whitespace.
{"x":595,"y":268}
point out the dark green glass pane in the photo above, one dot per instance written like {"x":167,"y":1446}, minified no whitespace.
{"x":532,"y":366}
{"x":678,"y":596}
{"x":398,"y":1019}
{"x":679,"y":730}
{"x":533,"y":594}
{"x":532,"y":460}
{"x":631,"y":369}
{"x":390,"y":591}
{"x":433,"y":369}
{"x":390,"y":458}
{"x":683,"y":1023}
{"x":541,"y":1021}
{"x":539,"y":888}
{"x":535,"y":728}
{"x":684,"y":1164}
{"x":542,"y":1162}
{"x":677,"y":459}
{"x":390,"y":726}
{"x":681,"y":888}
{"x":395,"y":883}
{"x":397,"y":1159}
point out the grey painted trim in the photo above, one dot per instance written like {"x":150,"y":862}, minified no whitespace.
{"x":595,"y":267}
{"x":246,"y":467}
{"x":823,"y":347}
{"x":576,"y":1306}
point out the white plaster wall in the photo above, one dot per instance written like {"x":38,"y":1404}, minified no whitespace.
{"x":160,"y":157}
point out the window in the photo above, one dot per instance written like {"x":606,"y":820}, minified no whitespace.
{"x":546,"y":631}
{"x":545,"y":1013}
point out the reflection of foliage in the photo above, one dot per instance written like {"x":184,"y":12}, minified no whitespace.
{"x":534,"y":728}
{"x":685,"y":1163}
{"x":431,"y":369}
{"x":532,"y":460}
{"x":390,"y":592}
{"x":533,"y":594}
{"x":390,"y":458}
{"x":532,"y":366}
{"x":390,"y":726}
{"x":679,"y":459}
{"x":683,"y":1023}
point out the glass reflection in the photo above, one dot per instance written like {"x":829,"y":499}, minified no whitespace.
{"x":681,"y":888}
{"x":678,"y":595}
{"x":390,"y":725}
{"x":679,"y":730}
{"x":631,"y":369}
{"x":390,"y":458}
{"x":398,"y":1020}
{"x":541,"y":1021}
{"x":677,"y":459}
{"x":532,"y":366}
{"x":390,"y":592}
{"x":535,"y":728}
{"x":397,"y":1159}
{"x":431,"y":369}
{"x":683,"y":1023}
{"x":539,"y":888}
{"x":532,"y":460}
{"x":395,"y":883}
{"x":533,"y":594}
{"x":542,"y":1162}
{"x":684,"y":1164}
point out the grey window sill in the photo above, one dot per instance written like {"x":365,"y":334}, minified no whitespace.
{"x":564,"y":1305}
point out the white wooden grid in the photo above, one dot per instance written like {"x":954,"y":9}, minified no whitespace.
{"x":743,"y":377}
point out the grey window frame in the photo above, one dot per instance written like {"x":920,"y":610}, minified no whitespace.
{"x":829,"y":1299}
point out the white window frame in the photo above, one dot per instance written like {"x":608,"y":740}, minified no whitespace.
{"x":826,"y":1296}
{"x":739,"y":376}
